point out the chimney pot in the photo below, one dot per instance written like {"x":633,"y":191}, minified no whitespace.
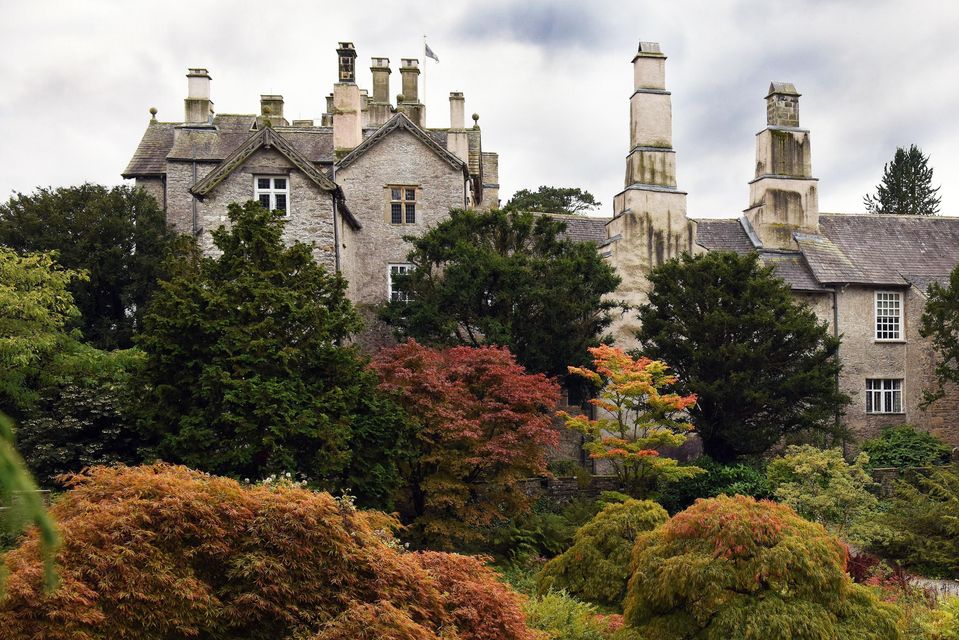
{"x":198,"y":107}
{"x":782,"y":105}
{"x":457,"y":110}
{"x":347,"y":62}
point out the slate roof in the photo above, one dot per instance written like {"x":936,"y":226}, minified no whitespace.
{"x":397,"y":122}
{"x":868,"y":249}
{"x":583,"y":228}
{"x":164,"y":141}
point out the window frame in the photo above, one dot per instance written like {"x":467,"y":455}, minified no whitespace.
{"x":404,"y":202}
{"x":389,"y":281}
{"x":272,"y":191}
{"x":899,"y":299}
{"x":879,"y":389}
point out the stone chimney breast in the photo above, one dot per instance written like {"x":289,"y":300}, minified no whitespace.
{"x":782,"y":105}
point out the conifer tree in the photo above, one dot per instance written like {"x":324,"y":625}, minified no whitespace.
{"x":906,"y":186}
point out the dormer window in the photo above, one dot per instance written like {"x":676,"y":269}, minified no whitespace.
{"x":272,"y":193}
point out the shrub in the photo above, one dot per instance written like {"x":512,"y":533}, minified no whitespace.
{"x":719,"y":479}
{"x":734,"y":567}
{"x":821,"y":486}
{"x":546,"y":531}
{"x":596,"y":567}
{"x":566,"y":618}
{"x":904,"y":446}
{"x":923,"y":513}
{"x":161,"y":552}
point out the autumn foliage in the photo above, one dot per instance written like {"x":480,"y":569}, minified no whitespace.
{"x":162,"y":552}
{"x":734,"y":567}
{"x":637,"y":417}
{"x":596,"y":567}
{"x":482,"y":423}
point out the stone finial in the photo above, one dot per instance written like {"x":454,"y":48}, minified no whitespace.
{"x":782,"y":105}
{"x":153,"y":114}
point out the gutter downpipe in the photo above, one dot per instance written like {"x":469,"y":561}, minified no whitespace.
{"x":336,"y":226}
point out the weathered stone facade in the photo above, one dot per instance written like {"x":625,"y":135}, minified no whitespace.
{"x":836,"y":263}
{"x":338,"y":175}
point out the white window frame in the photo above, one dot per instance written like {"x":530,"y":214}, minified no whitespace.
{"x":403,"y":268}
{"x":884,"y":395}
{"x":887,"y":308}
{"x":272,"y":191}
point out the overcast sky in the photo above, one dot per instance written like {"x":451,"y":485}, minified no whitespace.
{"x":550,"y":80}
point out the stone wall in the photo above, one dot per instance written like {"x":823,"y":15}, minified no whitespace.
{"x":310,"y":218}
{"x":560,"y":490}
{"x":403,"y":160}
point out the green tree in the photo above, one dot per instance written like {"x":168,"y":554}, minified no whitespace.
{"x":35,"y":309}
{"x":940,"y":323}
{"x":906,"y":186}
{"x":905,"y":446}
{"x":553,"y":200}
{"x":244,"y":371}
{"x":761,"y":364}
{"x":732,"y":567}
{"x":596,"y":567}
{"x":118,"y":236}
{"x":508,"y":279}
{"x":821,"y":486}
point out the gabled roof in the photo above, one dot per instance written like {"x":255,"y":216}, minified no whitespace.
{"x":264,"y":138}
{"x":268,"y":138}
{"x":400,"y":122}
{"x":582,"y":228}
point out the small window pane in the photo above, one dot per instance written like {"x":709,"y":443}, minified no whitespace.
{"x":394,"y":194}
{"x":411,"y":214}
{"x":279,"y":183}
{"x":411,"y":194}
{"x":396,"y":213}
{"x":263,"y":183}
{"x":265,"y":201}
{"x":281,"y":201}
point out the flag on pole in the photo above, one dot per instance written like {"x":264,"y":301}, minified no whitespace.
{"x":429,"y":52}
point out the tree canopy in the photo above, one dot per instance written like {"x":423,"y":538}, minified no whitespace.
{"x":940,"y":323}
{"x":510,"y":279}
{"x":118,"y":236}
{"x":906,"y":186}
{"x":761,"y":364}
{"x":481,"y":424}
{"x":569,"y":200}
{"x":244,"y":373}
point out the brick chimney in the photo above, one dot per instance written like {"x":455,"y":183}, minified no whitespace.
{"x":411,"y":105}
{"x":198,"y":107}
{"x":783,"y":197}
{"x":347,"y":102}
{"x":457,"y":140}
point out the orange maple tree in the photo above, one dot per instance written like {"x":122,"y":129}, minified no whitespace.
{"x":160,"y":552}
{"x":637,"y":417}
{"x":482,"y":423}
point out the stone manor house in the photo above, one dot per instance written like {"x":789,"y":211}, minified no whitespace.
{"x":371,"y":172}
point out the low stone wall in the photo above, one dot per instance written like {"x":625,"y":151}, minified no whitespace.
{"x":565,"y":489}
{"x":887,"y":477}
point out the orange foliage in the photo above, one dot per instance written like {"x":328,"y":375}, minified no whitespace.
{"x":159,"y":552}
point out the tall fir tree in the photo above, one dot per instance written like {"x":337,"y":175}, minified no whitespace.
{"x":906,"y":186}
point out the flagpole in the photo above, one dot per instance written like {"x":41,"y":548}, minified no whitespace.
{"x":424,"y":79}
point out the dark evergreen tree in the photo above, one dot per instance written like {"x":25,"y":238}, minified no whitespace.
{"x":245,"y":373}
{"x":509,"y":279}
{"x":940,"y":322}
{"x":553,"y":200}
{"x":119,"y":236}
{"x":906,"y":186}
{"x":760,"y":363}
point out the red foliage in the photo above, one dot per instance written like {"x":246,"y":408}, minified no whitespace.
{"x":483,"y":423}
{"x":159,"y":552}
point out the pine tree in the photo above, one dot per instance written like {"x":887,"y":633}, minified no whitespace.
{"x":906,"y":186}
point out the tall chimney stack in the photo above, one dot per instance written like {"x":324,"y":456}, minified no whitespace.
{"x":271,"y":107}
{"x":198,"y":107}
{"x":347,"y":103}
{"x":380,"y":108}
{"x":649,"y":224}
{"x":411,"y":105}
{"x":783,"y":197}
{"x":457,"y":140}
